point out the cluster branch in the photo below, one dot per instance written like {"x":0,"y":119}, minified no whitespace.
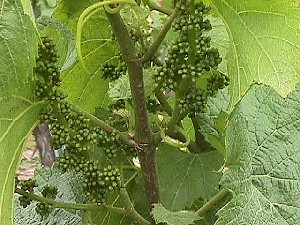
{"x":69,"y":205}
{"x":128,"y":209}
{"x":162,"y":34}
{"x":107,"y":128}
{"x":143,"y":132}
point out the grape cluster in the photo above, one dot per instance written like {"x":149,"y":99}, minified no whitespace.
{"x":97,"y":182}
{"x":83,"y":133}
{"x":75,"y":133}
{"x":27,"y":186}
{"x":47,"y":72}
{"x":112,"y":71}
{"x":194,"y":101}
{"x":177,"y":67}
{"x":106,"y":181}
{"x":141,"y":38}
{"x":192,"y":25}
{"x":48,"y":192}
{"x":216,"y":82}
{"x":152,"y":105}
{"x":112,"y":146}
{"x":43,"y":209}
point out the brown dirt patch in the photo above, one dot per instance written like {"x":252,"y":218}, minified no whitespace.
{"x":30,"y":160}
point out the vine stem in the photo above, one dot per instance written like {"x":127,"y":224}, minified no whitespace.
{"x":212,"y":202}
{"x":143,"y":132}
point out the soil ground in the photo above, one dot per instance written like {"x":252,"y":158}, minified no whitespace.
{"x":30,"y":160}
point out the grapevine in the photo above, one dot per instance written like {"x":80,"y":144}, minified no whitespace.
{"x":110,"y":148}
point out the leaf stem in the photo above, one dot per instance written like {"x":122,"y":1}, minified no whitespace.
{"x":163,"y":101}
{"x":175,"y":116}
{"x":212,"y":202}
{"x":130,"y":210}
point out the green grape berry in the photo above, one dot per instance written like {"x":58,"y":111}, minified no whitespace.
{"x":43,"y":209}
{"x":112,"y":71}
{"x":27,"y":186}
{"x":24,"y":201}
{"x":152,"y":105}
{"x":49,"y":191}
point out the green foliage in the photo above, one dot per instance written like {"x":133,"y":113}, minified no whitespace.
{"x":98,"y":218}
{"x":259,"y":51}
{"x":261,"y":168}
{"x":183,"y":217}
{"x":184,"y":177}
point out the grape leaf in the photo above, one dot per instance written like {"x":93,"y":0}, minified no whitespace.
{"x":69,"y":190}
{"x":183,"y":217}
{"x":212,"y":123}
{"x":262,"y":159}
{"x":18,"y":112}
{"x":264,"y":44}
{"x":88,"y":90}
{"x":184,"y":177}
{"x":27,"y":9}
{"x":137,"y":193}
{"x":219,"y":40}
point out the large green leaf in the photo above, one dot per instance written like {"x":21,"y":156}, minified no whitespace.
{"x":18,"y":112}
{"x":88,"y":90}
{"x":263,"y":158}
{"x":265,"y":43}
{"x":184,"y":177}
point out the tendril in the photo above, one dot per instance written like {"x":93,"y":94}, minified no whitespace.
{"x":86,"y":15}
{"x":174,"y":142}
